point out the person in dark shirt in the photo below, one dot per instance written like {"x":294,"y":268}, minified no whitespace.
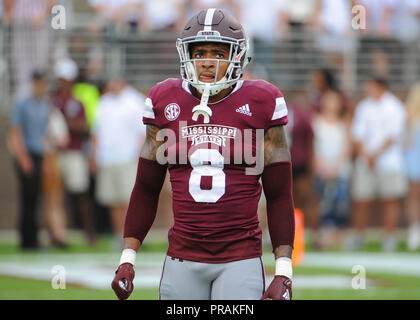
{"x":28,"y":124}
{"x":72,"y":162}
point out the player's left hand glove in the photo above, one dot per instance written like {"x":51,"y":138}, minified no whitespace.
{"x":279,"y":289}
{"x":123,"y":281}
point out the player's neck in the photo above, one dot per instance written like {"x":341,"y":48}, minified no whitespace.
{"x":217,"y":97}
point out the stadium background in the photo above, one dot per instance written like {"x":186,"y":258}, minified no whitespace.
{"x":143,"y":55}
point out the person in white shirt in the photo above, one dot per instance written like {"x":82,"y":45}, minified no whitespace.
{"x":397,"y":18}
{"x":266,"y":25}
{"x":161,"y":15}
{"x":114,"y":12}
{"x":30,"y":40}
{"x":392,"y":29}
{"x":268,"y":22}
{"x":332,"y":167}
{"x":377,"y":133}
{"x":332,"y":21}
{"x":334,"y":36}
{"x":197,"y":5}
{"x":117,"y":136}
{"x":405,"y":20}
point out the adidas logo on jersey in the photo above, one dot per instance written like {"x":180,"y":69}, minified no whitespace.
{"x":244,"y":110}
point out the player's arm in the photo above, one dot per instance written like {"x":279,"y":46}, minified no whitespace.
{"x":141,"y":211}
{"x":277,"y":158}
{"x":277,"y":184}
{"x":148,"y":158}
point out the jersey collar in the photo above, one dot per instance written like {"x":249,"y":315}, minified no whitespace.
{"x":186,"y":87}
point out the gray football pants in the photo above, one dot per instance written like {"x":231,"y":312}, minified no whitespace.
{"x":189,"y":280}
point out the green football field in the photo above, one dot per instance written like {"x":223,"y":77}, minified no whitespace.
{"x":392,"y":287}
{"x":331,"y":275}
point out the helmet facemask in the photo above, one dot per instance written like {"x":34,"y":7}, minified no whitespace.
{"x":237,"y":61}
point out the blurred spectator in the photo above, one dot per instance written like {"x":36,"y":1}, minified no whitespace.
{"x":117,"y":136}
{"x":300,"y":140}
{"x":300,"y":17}
{"x":60,"y":39}
{"x":334,"y":35}
{"x":377,"y":44}
{"x":56,"y":137}
{"x":2,"y":18}
{"x":72,"y":162}
{"x":379,"y":16}
{"x":412,"y":166}
{"x":162,"y":15}
{"x":332,"y":167}
{"x":115,"y":43}
{"x":30,"y":38}
{"x":4,"y":78}
{"x":88,"y":94}
{"x":264,"y":25}
{"x":157,"y":19}
{"x":322,"y":81}
{"x":405,"y":28}
{"x":114,"y":13}
{"x":197,"y":5}
{"x":301,"y":12}
{"x":267,"y":22}
{"x":405,"y":20}
{"x":26,"y":142}
{"x":88,"y":53}
{"x":377,"y":132}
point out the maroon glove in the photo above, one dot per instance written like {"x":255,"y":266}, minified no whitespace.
{"x":279,"y":289}
{"x":123,"y":281}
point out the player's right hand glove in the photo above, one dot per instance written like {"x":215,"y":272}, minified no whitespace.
{"x":279,"y":289}
{"x":123,"y":281}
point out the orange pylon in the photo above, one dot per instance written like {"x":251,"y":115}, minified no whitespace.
{"x":299,"y":245}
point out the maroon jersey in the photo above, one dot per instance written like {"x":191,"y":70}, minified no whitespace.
{"x":72,"y":109}
{"x":215,"y":199}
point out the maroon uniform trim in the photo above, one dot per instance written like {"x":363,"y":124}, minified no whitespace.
{"x":277,"y":184}
{"x":144,"y":199}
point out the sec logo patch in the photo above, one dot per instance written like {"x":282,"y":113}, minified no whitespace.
{"x":172,"y":111}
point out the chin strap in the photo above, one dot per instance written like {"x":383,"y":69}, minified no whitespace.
{"x":202,"y":108}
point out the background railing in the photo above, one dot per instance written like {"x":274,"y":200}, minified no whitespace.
{"x":144,"y":59}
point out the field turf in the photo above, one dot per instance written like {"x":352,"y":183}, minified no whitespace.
{"x":380,"y":285}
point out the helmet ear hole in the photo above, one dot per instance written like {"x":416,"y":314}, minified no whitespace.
{"x":236,"y":73}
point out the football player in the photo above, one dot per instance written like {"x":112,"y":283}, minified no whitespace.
{"x":215,"y":243}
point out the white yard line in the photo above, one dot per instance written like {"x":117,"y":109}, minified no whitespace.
{"x":97,"y":270}
{"x":390,"y":263}
{"x":100,"y":278}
